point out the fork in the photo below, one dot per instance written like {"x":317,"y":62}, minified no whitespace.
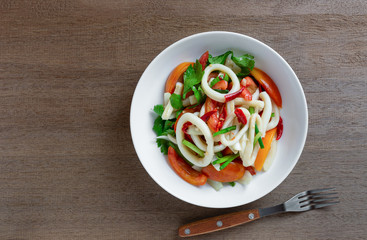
{"x":303,"y":201}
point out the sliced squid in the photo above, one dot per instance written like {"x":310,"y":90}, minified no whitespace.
{"x":202,"y":110}
{"x":166,"y":98}
{"x":265,"y":117}
{"x":246,"y":155}
{"x":229,"y":63}
{"x":254,"y":103}
{"x":275,"y":120}
{"x":201,"y":125}
{"x":219,"y":97}
{"x":238,"y":136}
{"x":168,"y":109}
{"x":186,"y":102}
{"x":202,"y":145}
{"x":230,"y":107}
{"x":256,"y":94}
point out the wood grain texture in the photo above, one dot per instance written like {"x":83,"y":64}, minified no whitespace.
{"x":68,"y":69}
{"x":221,"y":222}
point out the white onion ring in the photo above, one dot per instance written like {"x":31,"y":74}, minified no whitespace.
{"x":219,"y":97}
{"x":209,"y":154}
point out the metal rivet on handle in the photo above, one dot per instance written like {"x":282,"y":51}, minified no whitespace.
{"x":251,"y":216}
{"x":219,"y":223}
{"x":187,"y":231}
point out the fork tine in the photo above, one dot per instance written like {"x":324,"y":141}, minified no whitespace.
{"x":319,"y":190}
{"x":315,"y":196}
{"x":324,"y":194}
{"x":316,"y":192}
{"x":312,"y":201}
{"x":321,"y":205}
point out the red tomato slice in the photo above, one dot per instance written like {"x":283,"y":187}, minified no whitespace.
{"x":184,"y":170}
{"x":246,"y":95}
{"x":222,"y":85}
{"x":268,"y":84}
{"x":213,"y":122}
{"x":211,"y":105}
{"x":232,"y":172}
{"x":203,"y":59}
{"x":249,"y":84}
{"x":216,"y":120}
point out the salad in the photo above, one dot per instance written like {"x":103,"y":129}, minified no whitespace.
{"x":220,"y":121}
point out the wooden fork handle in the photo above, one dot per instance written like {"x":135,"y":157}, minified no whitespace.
{"x":217,"y":223}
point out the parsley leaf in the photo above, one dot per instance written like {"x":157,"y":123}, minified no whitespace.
{"x":199,"y":94}
{"x":158,"y":126}
{"x":226,"y":78}
{"x":176,"y":101}
{"x":158,"y":109}
{"x":167,"y":126}
{"x":198,"y":70}
{"x":219,"y":59}
{"x":170,"y":132}
{"x":192,"y":77}
{"x":162,"y":127}
{"x":241,"y":75}
{"x":245,"y":62}
{"x":163,"y":145}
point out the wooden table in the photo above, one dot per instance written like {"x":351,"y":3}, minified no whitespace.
{"x":68,"y":69}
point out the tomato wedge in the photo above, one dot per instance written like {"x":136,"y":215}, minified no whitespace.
{"x":232,"y":172}
{"x":211,"y":105}
{"x":203,"y":59}
{"x":245,"y":94}
{"x":268,"y":84}
{"x":249,"y":84}
{"x":222,"y":85}
{"x":175,"y":75}
{"x":184,"y":170}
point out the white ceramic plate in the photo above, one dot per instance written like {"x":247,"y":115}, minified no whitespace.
{"x":149,"y":92}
